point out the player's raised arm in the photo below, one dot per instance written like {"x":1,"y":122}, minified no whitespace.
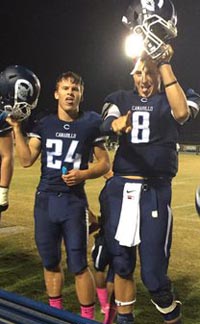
{"x":27,"y":151}
{"x":173,"y":89}
{"x":19,"y":93}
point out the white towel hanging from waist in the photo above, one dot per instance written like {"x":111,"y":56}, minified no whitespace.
{"x":128,"y":230}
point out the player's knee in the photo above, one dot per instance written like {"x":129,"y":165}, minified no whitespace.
{"x":52,"y":266}
{"x":122,"y":267}
{"x":100,"y":254}
{"x":81,"y":271}
{"x":100,"y":267}
{"x":100,"y":261}
{"x":76,"y":261}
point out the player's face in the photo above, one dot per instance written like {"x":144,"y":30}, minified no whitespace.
{"x":69,"y":95}
{"x":146,"y":78}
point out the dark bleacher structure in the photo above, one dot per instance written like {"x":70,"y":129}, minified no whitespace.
{"x":190,"y":132}
{"x":15,"y":309}
{"x":190,"y":136}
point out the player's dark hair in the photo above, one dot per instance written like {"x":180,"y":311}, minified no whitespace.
{"x":77,"y":79}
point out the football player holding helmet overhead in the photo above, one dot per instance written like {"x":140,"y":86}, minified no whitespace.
{"x":19,"y":93}
{"x":137,"y":199}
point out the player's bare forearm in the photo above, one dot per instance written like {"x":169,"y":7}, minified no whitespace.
{"x":22,"y":148}
{"x":7,"y":159}
{"x":27,"y":153}
{"x":6,"y":171}
{"x":74,"y":177}
{"x":96,"y":169}
{"x":174,"y":92}
{"x":102,"y":162}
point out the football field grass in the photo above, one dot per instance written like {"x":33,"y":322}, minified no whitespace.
{"x":20,"y":266}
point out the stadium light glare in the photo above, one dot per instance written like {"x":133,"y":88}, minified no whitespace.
{"x":134,"y":45}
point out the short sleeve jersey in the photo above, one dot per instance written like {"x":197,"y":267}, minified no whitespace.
{"x":149,"y":150}
{"x":66,"y":144}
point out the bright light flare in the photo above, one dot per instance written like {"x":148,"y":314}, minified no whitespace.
{"x":134,"y":45}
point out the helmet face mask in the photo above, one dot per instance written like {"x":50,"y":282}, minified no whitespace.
{"x":159,"y":27}
{"x":19,"y":111}
{"x":155,"y":21}
{"x":19,"y":91}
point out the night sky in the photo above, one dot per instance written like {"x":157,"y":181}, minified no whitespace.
{"x":87,"y":37}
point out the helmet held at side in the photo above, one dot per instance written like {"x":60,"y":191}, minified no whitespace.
{"x":19,"y":91}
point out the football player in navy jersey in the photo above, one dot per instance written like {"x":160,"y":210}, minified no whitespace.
{"x":64,"y":141}
{"x":137,"y":198}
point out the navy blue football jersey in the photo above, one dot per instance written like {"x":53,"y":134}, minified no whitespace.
{"x":149,"y":150}
{"x":65,"y":144}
